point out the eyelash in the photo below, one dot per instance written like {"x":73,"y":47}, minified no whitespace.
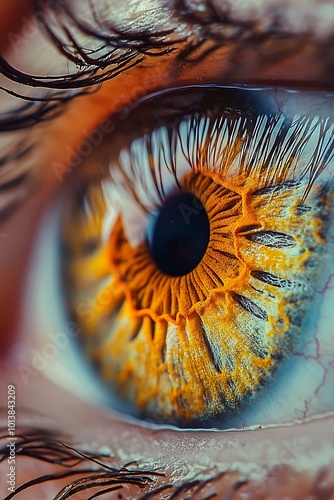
{"x":126,"y":50}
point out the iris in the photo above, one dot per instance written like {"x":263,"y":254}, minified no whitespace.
{"x":211,"y":221}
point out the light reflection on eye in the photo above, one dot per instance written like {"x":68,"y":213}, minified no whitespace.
{"x":203,"y":346}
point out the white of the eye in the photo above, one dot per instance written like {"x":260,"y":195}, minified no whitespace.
{"x":52,"y":352}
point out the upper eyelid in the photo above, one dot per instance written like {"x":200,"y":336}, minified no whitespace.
{"x":150,"y":44}
{"x":207,"y":16}
{"x":126,"y":48}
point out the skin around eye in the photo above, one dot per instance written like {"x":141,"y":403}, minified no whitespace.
{"x":292,"y":461}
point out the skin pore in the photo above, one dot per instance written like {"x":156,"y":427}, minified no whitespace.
{"x":292,"y":461}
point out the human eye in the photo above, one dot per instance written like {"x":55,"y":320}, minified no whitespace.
{"x":193,"y":256}
{"x":153,"y":447}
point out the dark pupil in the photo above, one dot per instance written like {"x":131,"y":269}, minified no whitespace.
{"x":180,"y":235}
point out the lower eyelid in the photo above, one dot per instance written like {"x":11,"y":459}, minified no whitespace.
{"x":300,"y":453}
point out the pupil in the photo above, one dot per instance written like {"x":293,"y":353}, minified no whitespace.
{"x":181,"y":235}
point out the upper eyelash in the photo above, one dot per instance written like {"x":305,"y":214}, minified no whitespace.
{"x":122,"y":51}
{"x":118,"y":51}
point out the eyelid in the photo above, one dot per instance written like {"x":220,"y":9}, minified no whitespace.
{"x":115,"y":95}
{"x":190,"y":31}
{"x":89,"y":110}
{"x":228,"y":58}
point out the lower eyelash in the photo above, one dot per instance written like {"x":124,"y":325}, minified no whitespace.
{"x":257,"y":267}
{"x":85,"y":469}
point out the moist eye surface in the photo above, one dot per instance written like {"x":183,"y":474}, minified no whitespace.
{"x":200,"y":237}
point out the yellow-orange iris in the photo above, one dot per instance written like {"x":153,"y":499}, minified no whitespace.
{"x":184,"y":349}
{"x":153,"y":293}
